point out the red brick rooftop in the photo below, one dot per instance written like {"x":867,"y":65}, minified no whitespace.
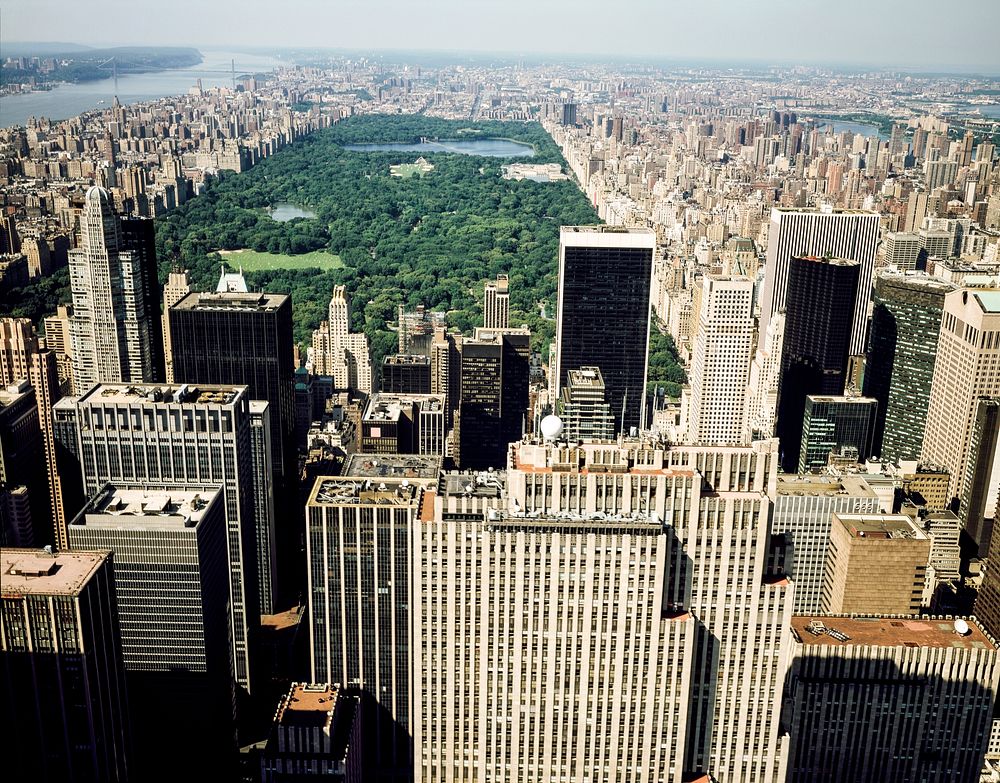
{"x":892,"y":632}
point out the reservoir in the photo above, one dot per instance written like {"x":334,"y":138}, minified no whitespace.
{"x":490,"y":148}
{"x":284,"y":212}
{"x":69,"y":100}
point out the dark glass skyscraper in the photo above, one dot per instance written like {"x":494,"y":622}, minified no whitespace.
{"x":603,"y":316}
{"x":819,"y":312}
{"x":904,"y":338}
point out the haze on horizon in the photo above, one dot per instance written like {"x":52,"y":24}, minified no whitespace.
{"x":904,"y":34}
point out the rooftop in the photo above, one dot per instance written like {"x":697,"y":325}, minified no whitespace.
{"x":880,"y":526}
{"x":231,"y":300}
{"x":37,"y":572}
{"x":397,"y":466}
{"x":482,"y":484}
{"x":161,"y":392}
{"x":831,"y":260}
{"x":585,"y":377}
{"x":389,"y":407}
{"x":989,"y":300}
{"x":307,"y":705}
{"x":132,"y":508}
{"x":337,"y":491}
{"x":792,"y":484}
{"x":890,"y":632}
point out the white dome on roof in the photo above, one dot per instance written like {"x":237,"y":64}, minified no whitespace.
{"x":551,"y":427}
{"x":97,"y":193}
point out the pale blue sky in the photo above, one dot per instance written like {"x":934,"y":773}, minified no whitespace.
{"x":923,"y":34}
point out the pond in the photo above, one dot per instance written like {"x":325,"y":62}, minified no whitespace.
{"x":284,"y":212}
{"x":490,"y":148}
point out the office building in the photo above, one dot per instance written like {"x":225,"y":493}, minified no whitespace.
{"x":178,"y":286}
{"x":18,"y":342}
{"x":63,"y":686}
{"x":234,"y":338}
{"x":114,"y":335}
{"x":403,"y":424}
{"x":906,"y":320}
{"x":902,"y":250}
{"x":171,"y":572}
{"x":264,"y":505}
{"x":318,"y":732}
{"x":967,"y":368}
{"x":803,"y":513}
{"x":494,"y":396}
{"x":864,"y":696}
{"x":166,"y":438}
{"x":981,"y":483}
{"x":446,"y":371}
{"x":360,"y":630}
{"x":138,"y":238}
{"x":583,"y":408}
{"x":577,"y":612}
{"x":848,"y":234}
{"x":605,"y":274}
{"x":406,"y":374}
{"x":988,"y":598}
{"x":818,"y":322}
{"x":839,"y":426}
{"x":22,"y":466}
{"x":496,"y":304}
{"x":720,"y":365}
{"x":765,"y":377}
{"x":875,"y":564}
{"x":58,"y":339}
{"x":338,"y":352}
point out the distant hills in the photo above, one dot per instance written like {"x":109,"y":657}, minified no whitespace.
{"x":88,"y":64}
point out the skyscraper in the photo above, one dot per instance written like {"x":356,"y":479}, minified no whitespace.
{"x":906,"y":321}
{"x":406,"y":374}
{"x":112,"y":331}
{"x":63,"y":684}
{"x":18,"y":342}
{"x":338,"y":352}
{"x":177,"y":437}
{"x":178,"y":286}
{"x":818,"y":322}
{"x":496,"y":304}
{"x":863,"y":699}
{"x":583,"y":407}
{"x":967,"y":368}
{"x":171,"y":571}
{"x":848,"y":234}
{"x":978,"y":489}
{"x":720,"y":366}
{"x":22,"y":465}
{"x":843,"y":426}
{"x":605,"y":275}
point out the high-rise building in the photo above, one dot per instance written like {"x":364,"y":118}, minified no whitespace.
{"x":171,"y":572}
{"x":848,"y":234}
{"x":988,"y":598}
{"x":720,"y":365}
{"x":360,"y":628}
{"x":22,"y":465}
{"x":902,"y":250}
{"x":906,"y":321}
{"x":113,"y":333}
{"x":58,"y":339}
{"x":494,"y":402}
{"x":803,"y":512}
{"x":403,"y":424}
{"x":979,"y":488}
{"x":496,"y":304}
{"x":171,"y":438}
{"x":967,"y":368}
{"x":18,"y":342}
{"x":446,"y":371}
{"x":601,"y":620}
{"x":138,"y":239}
{"x":178,"y":286}
{"x":234,"y":338}
{"x":842,"y":426}
{"x":605,"y":277}
{"x":339,"y":353}
{"x":875,"y":564}
{"x":415,"y":330}
{"x":818,"y":322}
{"x":63,"y":685}
{"x":583,"y":408}
{"x":406,"y":374}
{"x":938,"y":173}
{"x":765,"y":378}
{"x":863,"y":699}
{"x":264,"y":502}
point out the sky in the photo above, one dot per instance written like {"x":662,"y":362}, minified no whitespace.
{"x":912,"y":34}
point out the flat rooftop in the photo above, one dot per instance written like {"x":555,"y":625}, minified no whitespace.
{"x":405,"y":359}
{"x":831,"y":260}
{"x":988,"y":300}
{"x":36,"y":572}
{"x":307,"y":705}
{"x":159,"y":510}
{"x":162,"y":392}
{"x":585,"y":378}
{"x":891,"y":632}
{"x":231,"y":300}
{"x":880,"y":526}
{"x":389,"y":407}
{"x":339,"y":491}
{"x":792,"y":484}
{"x":607,"y":236}
{"x":642,"y":523}
{"x":410,"y":466}
{"x":473,"y":483}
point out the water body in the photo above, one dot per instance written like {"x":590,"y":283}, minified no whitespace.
{"x":69,"y":100}
{"x":284,"y":212}
{"x":490,"y":148}
{"x":857,"y":128}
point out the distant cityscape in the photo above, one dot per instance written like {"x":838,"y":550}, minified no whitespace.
{"x":388,"y":418}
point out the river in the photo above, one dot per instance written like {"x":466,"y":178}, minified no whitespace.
{"x":69,"y":100}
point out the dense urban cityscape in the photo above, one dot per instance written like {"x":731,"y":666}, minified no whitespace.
{"x":410,"y":416}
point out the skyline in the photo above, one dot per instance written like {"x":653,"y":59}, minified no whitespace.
{"x":733,"y":33}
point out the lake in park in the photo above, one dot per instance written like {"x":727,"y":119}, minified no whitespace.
{"x":284,"y":212}
{"x":857,"y":128}
{"x":490,"y":148}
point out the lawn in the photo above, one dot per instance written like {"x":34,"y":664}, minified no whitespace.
{"x":254,"y":261}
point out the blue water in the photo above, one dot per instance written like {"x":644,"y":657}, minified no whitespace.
{"x":857,"y":128}
{"x":284,"y":212}
{"x":490,"y":148}
{"x":69,"y":100}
